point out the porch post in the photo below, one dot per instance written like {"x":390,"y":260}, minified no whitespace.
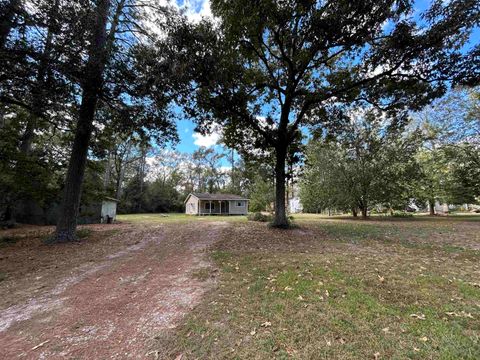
{"x":210,"y":206}
{"x":220,"y":207}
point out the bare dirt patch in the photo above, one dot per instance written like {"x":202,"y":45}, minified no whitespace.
{"x":106,"y":297}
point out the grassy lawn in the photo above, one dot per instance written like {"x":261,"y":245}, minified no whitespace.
{"x":170,"y":218}
{"x":337,"y":288}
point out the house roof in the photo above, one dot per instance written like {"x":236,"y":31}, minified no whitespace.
{"x":217,"y":197}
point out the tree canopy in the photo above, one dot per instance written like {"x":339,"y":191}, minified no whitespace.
{"x":272,"y":68}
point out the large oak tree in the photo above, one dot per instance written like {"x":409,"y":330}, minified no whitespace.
{"x":274,"y":68}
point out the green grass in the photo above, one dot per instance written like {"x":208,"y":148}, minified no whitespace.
{"x":174,"y":217}
{"x":321,"y":311}
{"x":363,"y":290}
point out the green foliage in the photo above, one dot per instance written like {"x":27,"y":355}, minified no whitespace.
{"x":83,"y":233}
{"x":463,"y":182}
{"x":402,"y":214}
{"x":371,"y":161}
{"x":261,"y":194}
{"x":258,"y":216}
{"x":450,"y":158}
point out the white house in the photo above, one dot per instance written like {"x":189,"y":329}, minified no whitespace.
{"x":215,"y":204}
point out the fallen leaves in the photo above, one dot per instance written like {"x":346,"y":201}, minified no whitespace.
{"x":418,"y":316}
{"x":460,"y":314}
{"x":40,"y":345}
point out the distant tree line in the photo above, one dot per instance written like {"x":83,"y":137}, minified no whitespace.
{"x":89,"y":89}
{"x":380,"y":161}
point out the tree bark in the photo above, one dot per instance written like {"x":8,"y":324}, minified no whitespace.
{"x":280,"y":219}
{"x":108,"y":169}
{"x":91,"y":89}
{"x":431,"y":207}
{"x":364,"y":210}
{"x":354,"y":212}
{"x":38,"y":96}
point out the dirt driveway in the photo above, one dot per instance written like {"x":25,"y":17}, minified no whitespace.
{"x":105,"y":298}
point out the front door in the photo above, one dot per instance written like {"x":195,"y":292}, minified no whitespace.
{"x":225,"y":207}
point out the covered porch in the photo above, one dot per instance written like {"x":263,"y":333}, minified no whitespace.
{"x":214,"y":207}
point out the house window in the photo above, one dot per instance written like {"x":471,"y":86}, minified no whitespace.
{"x":209,"y":206}
{"x":239,"y":204}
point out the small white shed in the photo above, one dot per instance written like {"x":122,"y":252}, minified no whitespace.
{"x":109,"y":210}
{"x":295,"y":205}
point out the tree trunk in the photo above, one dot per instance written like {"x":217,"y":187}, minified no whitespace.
{"x":431,"y":207}
{"x":121,"y":175}
{"x":91,"y":88}
{"x":364,"y":210}
{"x":280,"y":219}
{"x":234,"y":189}
{"x":108,"y":169}
{"x":38,"y":96}
{"x":7,"y":19}
{"x":354,"y":212}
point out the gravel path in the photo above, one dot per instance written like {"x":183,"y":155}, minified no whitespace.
{"x":114,"y":307}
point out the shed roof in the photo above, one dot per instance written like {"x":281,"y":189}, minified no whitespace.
{"x":218,"y":197}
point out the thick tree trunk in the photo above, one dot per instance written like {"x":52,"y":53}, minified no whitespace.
{"x":280,"y":219}
{"x":354,"y":212}
{"x":10,"y":9}
{"x":431,"y":207}
{"x":91,"y":88}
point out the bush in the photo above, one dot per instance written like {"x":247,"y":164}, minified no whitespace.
{"x":402,"y":214}
{"x":258,"y":216}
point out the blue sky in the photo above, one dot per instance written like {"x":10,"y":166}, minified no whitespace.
{"x":189,"y":140}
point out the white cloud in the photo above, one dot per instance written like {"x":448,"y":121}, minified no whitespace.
{"x":206,"y":140}
{"x":194,"y":10}
{"x":190,"y":7}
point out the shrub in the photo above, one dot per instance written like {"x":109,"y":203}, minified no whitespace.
{"x":258,"y":216}
{"x":402,"y":214}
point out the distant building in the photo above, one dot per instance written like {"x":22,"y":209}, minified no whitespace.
{"x":295,"y":206}
{"x":215,"y":204}
{"x":109,"y":210}
{"x":94,"y":212}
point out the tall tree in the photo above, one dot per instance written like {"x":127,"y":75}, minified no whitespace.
{"x":450,"y":157}
{"x":98,"y":54}
{"x":370,"y":161}
{"x":124,"y":72}
{"x":297,"y":63}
